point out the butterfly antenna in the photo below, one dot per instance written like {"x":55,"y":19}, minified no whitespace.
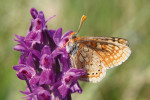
{"x":81,"y":22}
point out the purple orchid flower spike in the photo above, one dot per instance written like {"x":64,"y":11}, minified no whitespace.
{"x":43,"y":64}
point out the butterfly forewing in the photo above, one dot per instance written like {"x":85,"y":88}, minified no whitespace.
{"x":111,"y":50}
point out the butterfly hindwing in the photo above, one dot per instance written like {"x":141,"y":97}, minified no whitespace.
{"x":85,"y":58}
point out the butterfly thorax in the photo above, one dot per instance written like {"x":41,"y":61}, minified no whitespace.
{"x":72,"y":47}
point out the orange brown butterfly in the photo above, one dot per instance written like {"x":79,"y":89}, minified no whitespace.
{"x":96,"y":54}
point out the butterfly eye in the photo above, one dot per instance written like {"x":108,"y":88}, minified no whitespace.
{"x":71,"y":34}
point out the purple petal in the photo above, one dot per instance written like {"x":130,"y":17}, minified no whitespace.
{"x":41,"y":94}
{"x":33,"y":12}
{"x":57,"y":36}
{"x":49,"y":18}
{"x":58,"y":51}
{"x":22,"y":59}
{"x":36,"y":53}
{"x":47,"y":77}
{"x":44,"y":95}
{"x":65,"y":62}
{"x":34,"y":81}
{"x":41,"y":16}
{"x":29,"y":60}
{"x":64,"y":39}
{"x":46,"y":61}
{"x":46,"y":50}
{"x":63,"y":90}
{"x":71,"y":76}
{"x":38,"y":25}
{"x":21,"y":38}
{"x":27,"y":91}
{"x":22,"y":43}
{"x":26,"y":71}
{"x":76,"y":88}
{"x":18,"y":67}
{"x":55,"y":85}
{"x":63,"y":42}
{"x":66,"y":34}
{"x":31,"y":36}
{"x":51,"y":33}
{"x":19,"y":47}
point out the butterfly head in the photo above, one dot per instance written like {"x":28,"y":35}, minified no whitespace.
{"x":72,"y":35}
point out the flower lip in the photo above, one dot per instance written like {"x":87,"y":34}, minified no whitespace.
{"x":38,"y":24}
{"x":26,"y":71}
{"x":68,"y":79}
{"x":46,"y":61}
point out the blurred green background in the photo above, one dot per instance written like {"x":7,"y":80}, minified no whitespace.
{"x":129,"y":19}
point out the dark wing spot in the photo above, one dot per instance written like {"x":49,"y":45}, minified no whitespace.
{"x":113,"y":39}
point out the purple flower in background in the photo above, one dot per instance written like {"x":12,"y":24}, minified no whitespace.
{"x":45,"y":68}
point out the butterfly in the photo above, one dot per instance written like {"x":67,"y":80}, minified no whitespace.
{"x":96,"y":54}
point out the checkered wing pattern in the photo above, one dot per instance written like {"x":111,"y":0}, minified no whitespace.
{"x":112,"y":51}
{"x":88,"y":60}
{"x":96,"y":54}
